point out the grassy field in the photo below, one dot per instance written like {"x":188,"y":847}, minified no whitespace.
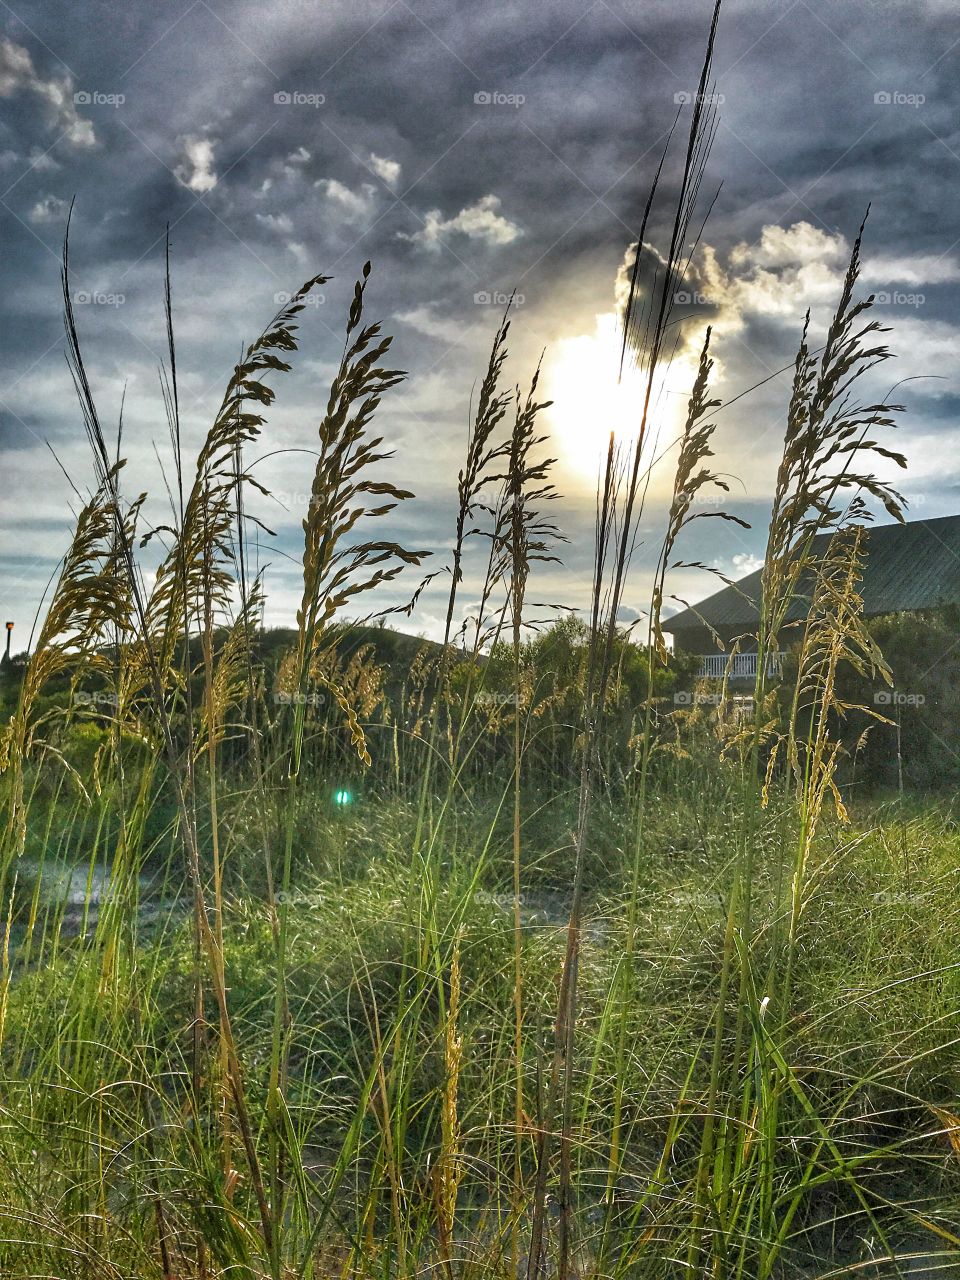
{"x":400,"y":1049}
{"x":328,"y":952}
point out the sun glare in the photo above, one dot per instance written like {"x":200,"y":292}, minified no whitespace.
{"x":590,"y":399}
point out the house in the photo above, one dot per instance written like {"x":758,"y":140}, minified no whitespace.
{"x":907,"y":568}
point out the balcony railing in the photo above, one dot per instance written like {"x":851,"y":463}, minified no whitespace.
{"x":742,"y":666}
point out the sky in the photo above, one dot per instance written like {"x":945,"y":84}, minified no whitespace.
{"x":468,"y":150}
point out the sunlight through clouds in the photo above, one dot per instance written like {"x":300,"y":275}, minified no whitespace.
{"x":591,"y":399}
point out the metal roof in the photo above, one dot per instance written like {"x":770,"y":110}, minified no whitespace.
{"x":906,"y":567}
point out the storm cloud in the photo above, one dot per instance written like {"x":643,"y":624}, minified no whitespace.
{"x":470,"y":151}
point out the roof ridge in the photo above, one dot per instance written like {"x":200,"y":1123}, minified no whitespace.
{"x":913,"y":566}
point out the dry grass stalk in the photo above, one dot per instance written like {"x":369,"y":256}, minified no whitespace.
{"x":449,"y":1170}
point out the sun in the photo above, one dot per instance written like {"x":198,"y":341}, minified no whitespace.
{"x":590,"y":399}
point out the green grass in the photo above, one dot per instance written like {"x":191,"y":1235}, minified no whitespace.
{"x":869,"y":1037}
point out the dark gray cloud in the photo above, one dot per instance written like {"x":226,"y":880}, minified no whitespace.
{"x":468,"y":150}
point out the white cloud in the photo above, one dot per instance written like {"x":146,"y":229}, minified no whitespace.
{"x":791,"y":268}
{"x":300,"y":156}
{"x":916,"y":269}
{"x":786,"y":271}
{"x":426,"y":321}
{"x":41,"y":160}
{"x":195,"y":171}
{"x":353,"y":206}
{"x":388,"y":170}
{"x":49,"y":209}
{"x":18,"y":74}
{"x":279,"y":222}
{"x":790,"y":247}
{"x":744,"y":563}
{"x":479,"y":221}
{"x":926,"y":350}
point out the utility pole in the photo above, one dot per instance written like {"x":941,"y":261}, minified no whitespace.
{"x":6,"y":656}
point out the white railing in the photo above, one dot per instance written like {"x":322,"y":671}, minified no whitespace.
{"x":742,"y":666}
